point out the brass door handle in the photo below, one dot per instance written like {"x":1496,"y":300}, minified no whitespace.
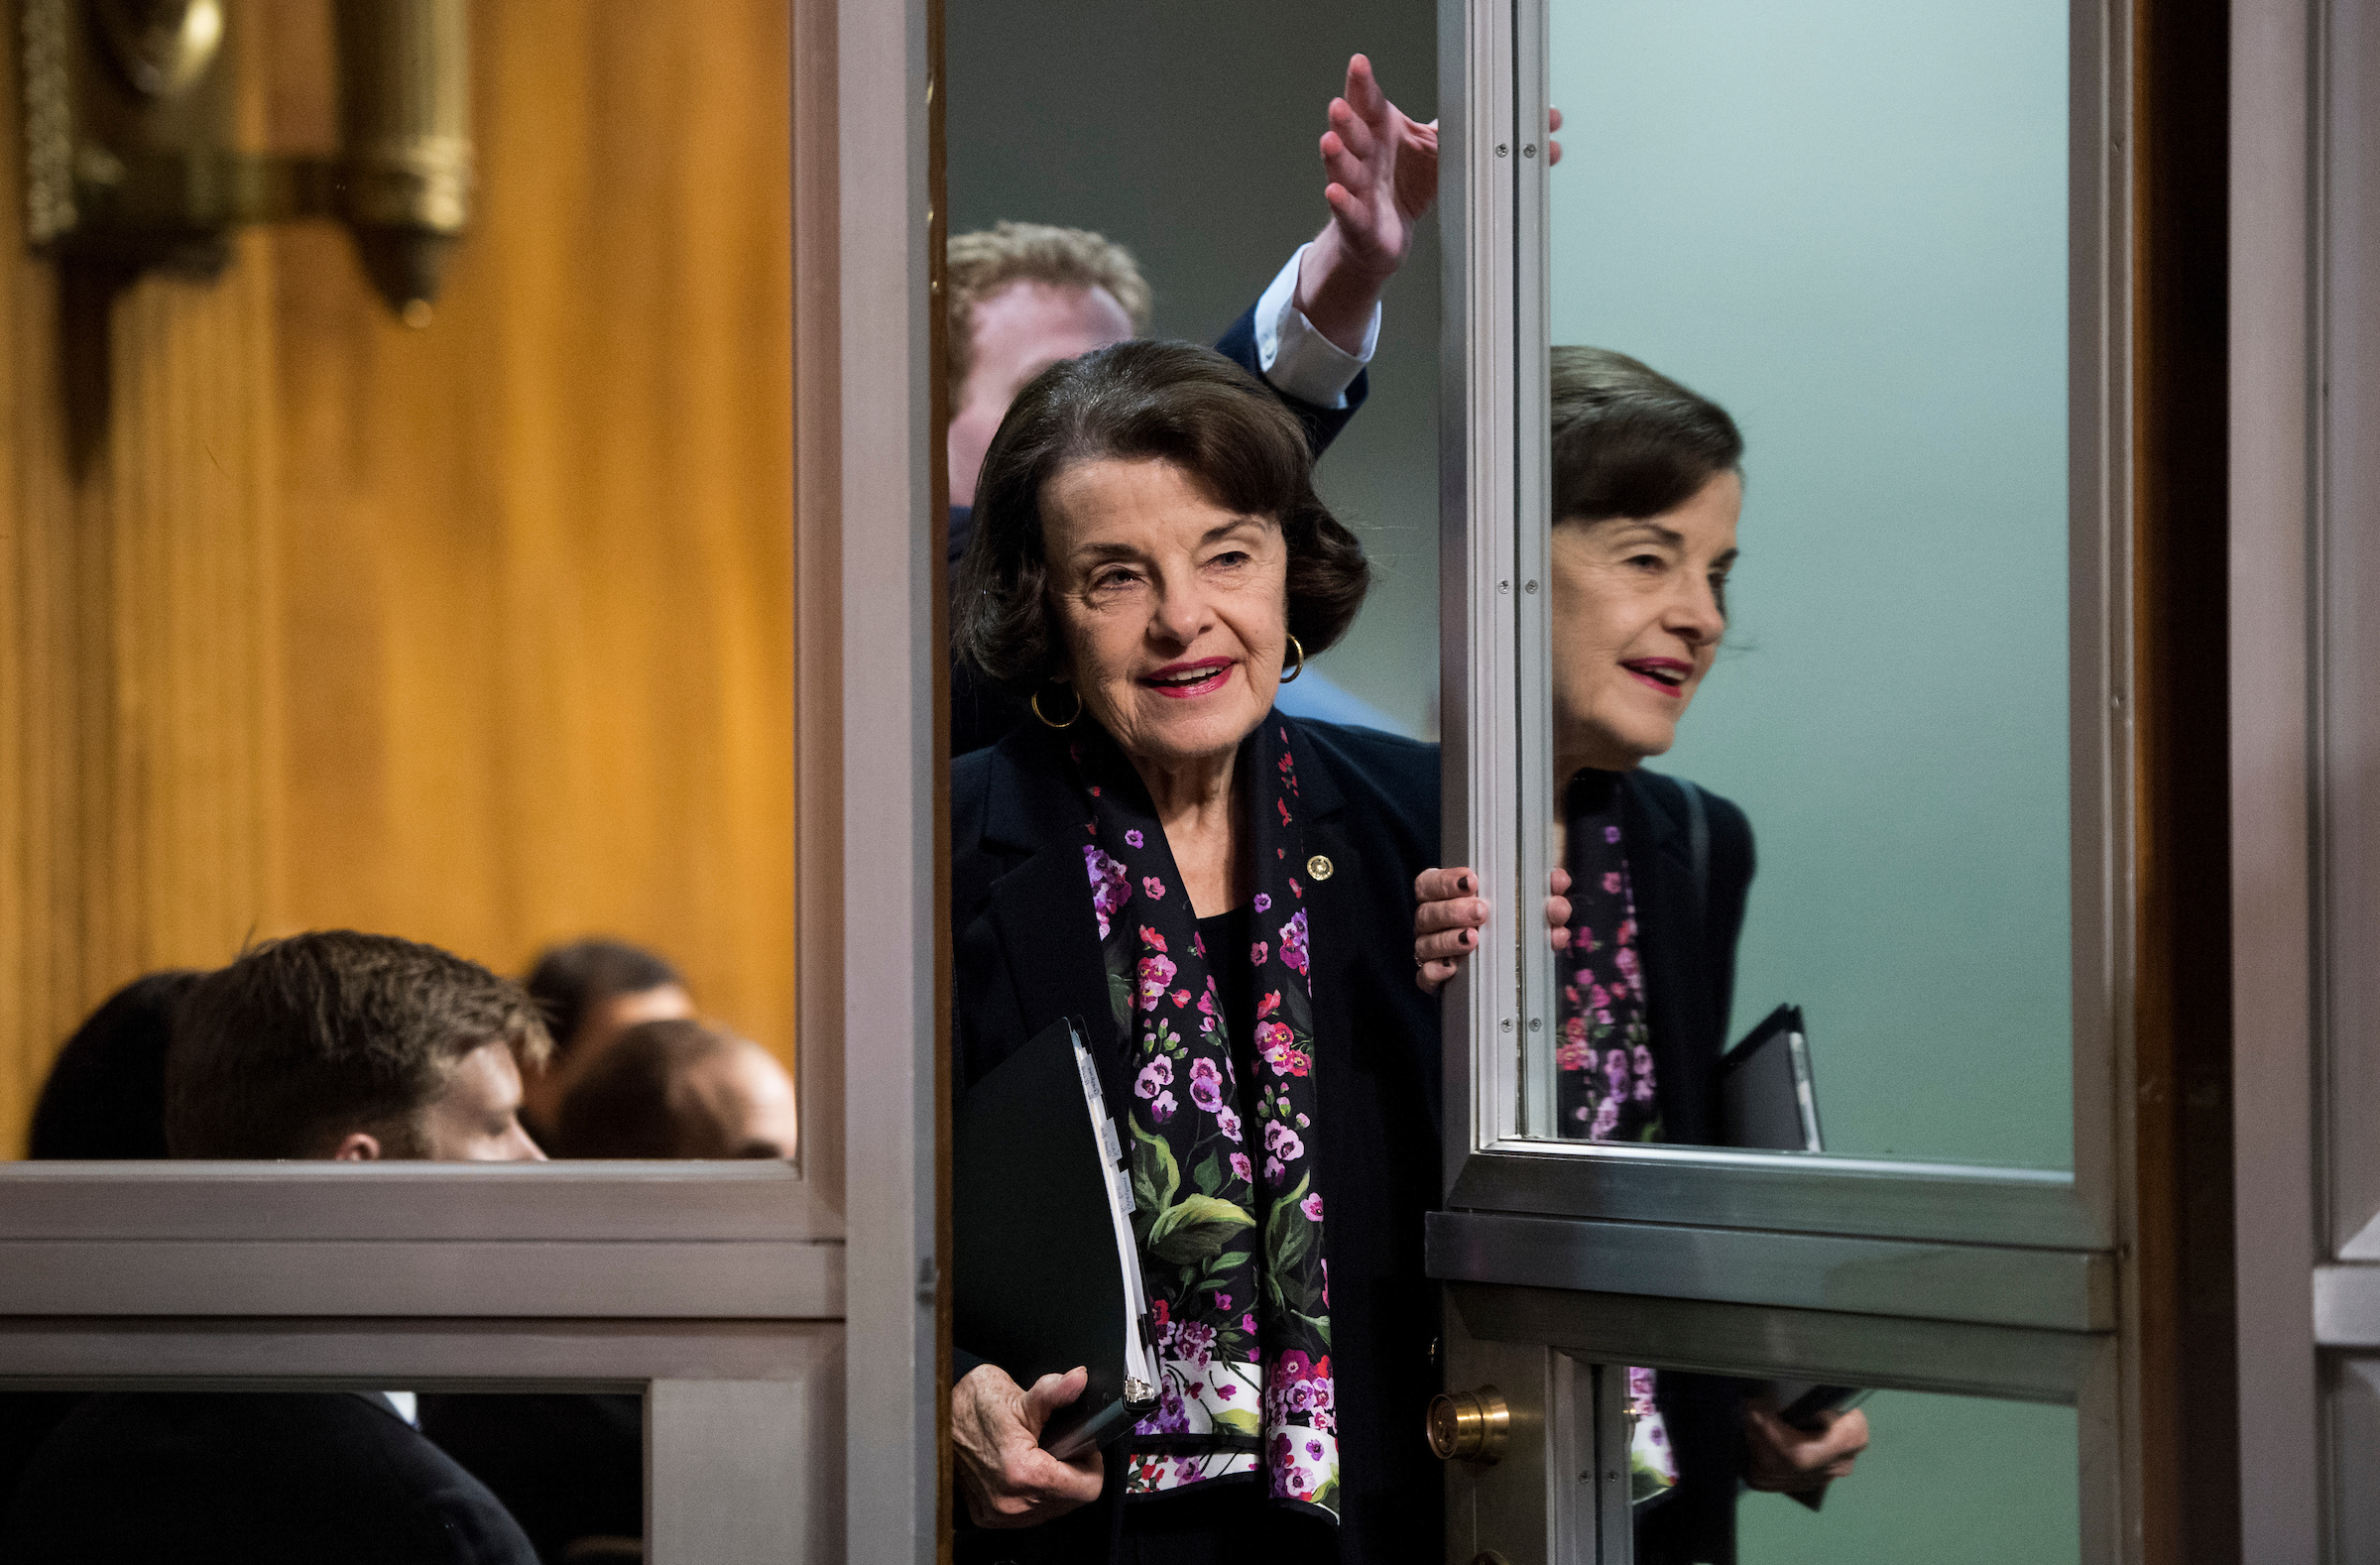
{"x":1471,"y":1427}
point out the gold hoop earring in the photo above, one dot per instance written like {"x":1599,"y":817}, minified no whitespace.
{"x":1044,"y":716}
{"x":1300,"y":649}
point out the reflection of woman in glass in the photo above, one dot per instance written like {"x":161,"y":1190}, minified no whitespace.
{"x":1647,"y":489}
{"x":1222,"y":895}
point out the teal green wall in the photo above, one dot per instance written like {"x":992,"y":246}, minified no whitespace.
{"x":1845,"y":220}
{"x":1948,"y":1480}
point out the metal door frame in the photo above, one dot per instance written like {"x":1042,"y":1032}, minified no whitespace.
{"x":1739,"y":1262}
{"x":2305,"y":505}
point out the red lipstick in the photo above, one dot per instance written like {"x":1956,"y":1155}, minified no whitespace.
{"x":1183,"y":681}
{"x":1668,"y":676}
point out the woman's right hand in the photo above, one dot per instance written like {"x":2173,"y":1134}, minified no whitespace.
{"x":1449,"y":916}
{"x":996,"y":1437}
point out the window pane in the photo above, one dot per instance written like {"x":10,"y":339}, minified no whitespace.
{"x":339,"y":1473}
{"x":1949,"y":1479}
{"x":1845,"y":225}
{"x":1844,"y":1477}
{"x":433,"y":622}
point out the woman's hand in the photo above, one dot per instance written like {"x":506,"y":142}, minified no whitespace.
{"x":1449,"y":916}
{"x":1788,"y":1460}
{"x":996,"y":1433}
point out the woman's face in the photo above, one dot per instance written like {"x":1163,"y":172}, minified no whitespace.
{"x":1173,"y":611}
{"x":1638,"y":611}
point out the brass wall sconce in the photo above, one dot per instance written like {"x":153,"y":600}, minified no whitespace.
{"x":129,"y":117}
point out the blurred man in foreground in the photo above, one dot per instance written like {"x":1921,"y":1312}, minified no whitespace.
{"x":337,"y":1045}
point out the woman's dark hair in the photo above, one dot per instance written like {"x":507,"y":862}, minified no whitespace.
{"x":1133,"y":400}
{"x":105,"y":1096}
{"x":1629,"y":441}
{"x":571,"y":980}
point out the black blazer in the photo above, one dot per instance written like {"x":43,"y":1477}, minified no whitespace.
{"x":567,"y":1465}
{"x":1687,"y":935}
{"x":251,"y":1479}
{"x":1026,"y":948}
{"x":981,"y":713}
{"x":1686,"y":938}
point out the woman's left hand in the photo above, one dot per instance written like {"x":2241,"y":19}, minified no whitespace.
{"x":1449,"y":916}
{"x":1787,"y":1460}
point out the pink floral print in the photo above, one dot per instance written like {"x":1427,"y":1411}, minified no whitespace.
{"x":1230,"y":1235}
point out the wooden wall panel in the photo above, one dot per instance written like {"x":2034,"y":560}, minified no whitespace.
{"x":480,"y":634}
{"x":138,"y":718}
{"x":539,"y":620}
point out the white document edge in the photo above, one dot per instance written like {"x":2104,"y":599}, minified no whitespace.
{"x":1140,"y":1353}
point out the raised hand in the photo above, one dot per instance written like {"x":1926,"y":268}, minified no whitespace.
{"x":1383,"y":167}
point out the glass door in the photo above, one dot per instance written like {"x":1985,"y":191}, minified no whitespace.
{"x":1786,"y":648}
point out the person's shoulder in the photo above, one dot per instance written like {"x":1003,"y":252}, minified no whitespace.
{"x":1731,"y":828}
{"x":974,"y":779}
{"x":1377,"y":769}
{"x":1371,"y":753}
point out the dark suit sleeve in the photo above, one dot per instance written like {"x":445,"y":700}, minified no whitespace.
{"x":1322,"y":424}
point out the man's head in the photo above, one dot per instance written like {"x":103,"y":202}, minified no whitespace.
{"x":1023,"y":297}
{"x":106,"y":1092}
{"x":356,"y":1047}
{"x":680,"y":1089}
{"x":590,"y":992}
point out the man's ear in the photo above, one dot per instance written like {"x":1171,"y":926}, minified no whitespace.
{"x":357,"y":1147}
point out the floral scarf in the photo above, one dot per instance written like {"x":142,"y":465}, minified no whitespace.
{"x":1604,"y":1066}
{"x":1605,"y":1063}
{"x":1229,"y":1212}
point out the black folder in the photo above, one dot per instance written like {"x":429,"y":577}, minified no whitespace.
{"x":1767,"y":1099}
{"x":1044,"y":1272}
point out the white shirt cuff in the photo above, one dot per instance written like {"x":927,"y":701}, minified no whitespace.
{"x":1300,"y":361}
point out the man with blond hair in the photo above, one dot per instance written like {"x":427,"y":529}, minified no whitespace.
{"x":1026,"y":296}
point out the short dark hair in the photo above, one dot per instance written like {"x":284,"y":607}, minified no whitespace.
{"x":571,"y":980}
{"x":1170,"y":401}
{"x":105,"y":1096}
{"x":306,"y":1038}
{"x":630,"y":1102}
{"x":1629,"y":441}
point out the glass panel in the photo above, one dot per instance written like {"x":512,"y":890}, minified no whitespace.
{"x":1949,"y":1480}
{"x":1845,"y":225}
{"x":394,"y":1065}
{"x":331,"y":1474}
{"x":2353,"y":1439}
{"x":411,"y":609}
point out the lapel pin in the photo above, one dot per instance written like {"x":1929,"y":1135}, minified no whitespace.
{"x":1320,"y":868}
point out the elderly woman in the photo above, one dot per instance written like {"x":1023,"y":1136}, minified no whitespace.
{"x":1647,"y":490}
{"x":1225,"y":894}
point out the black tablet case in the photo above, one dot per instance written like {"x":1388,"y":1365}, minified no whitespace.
{"x":1767,"y":1099}
{"x":1037,"y":1286}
